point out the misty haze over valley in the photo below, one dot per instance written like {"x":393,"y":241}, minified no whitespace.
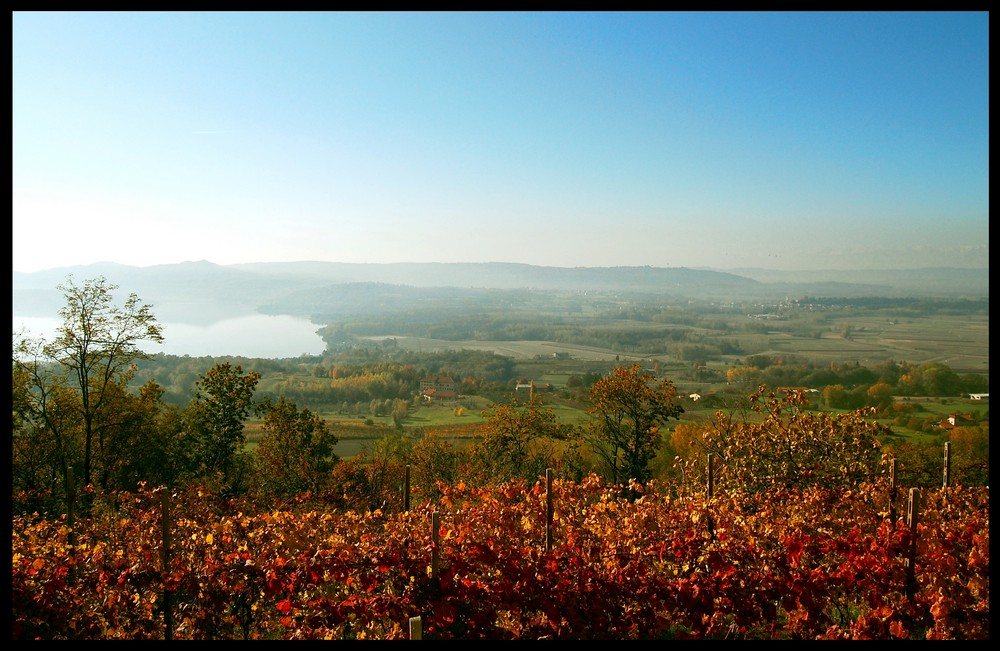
{"x":203,"y":292}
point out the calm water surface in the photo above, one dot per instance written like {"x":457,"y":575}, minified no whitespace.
{"x":256,"y":335}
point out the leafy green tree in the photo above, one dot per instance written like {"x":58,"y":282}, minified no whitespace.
{"x":516,"y":441}
{"x":223,"y":402}
{"x":144,"y":438}
{"x":387,"y":468}
{"x":83,"y":369}
{"x":835,"y":396}
{"x":887,"y":372}
{"x":295,"y":455}
{"x":974,"y":383}
{"x":44,"y":437}
{"x":432,"y":460}
{"x":628,"y":407}
{"x":166,"y":446}
{"x":400,"y":410}
{"x":938,"y":380}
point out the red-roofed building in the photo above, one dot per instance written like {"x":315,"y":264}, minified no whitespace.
{"x":438,"y":383}
{"x":430,"y":395}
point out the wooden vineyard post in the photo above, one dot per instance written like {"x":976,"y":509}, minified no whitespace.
{"x":406,"y":490}
{"x":548,"y":509}
{"x":947,"y":464}
{"x":710,"y":490}
{"x":912,"y":512}
{"x":711,"y":478}
{"x":416,"y":628}
{"x":168,"y":619}
{"x":70,"y":517}
{"x":892,"y":491}
{"x":435,"y":555}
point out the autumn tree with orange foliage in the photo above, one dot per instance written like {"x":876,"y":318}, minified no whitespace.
{"x":780,"y":443}
{"x":628,"y":407}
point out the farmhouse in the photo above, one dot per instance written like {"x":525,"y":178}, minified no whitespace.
{"x":438,"y":383}
{"x":438,"y":387}
{"x":955,"y":420}
{"x":430,"y":395}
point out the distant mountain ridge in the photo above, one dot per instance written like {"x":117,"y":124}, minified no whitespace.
{"x":928,"y":281}
{"x":204,"y":292}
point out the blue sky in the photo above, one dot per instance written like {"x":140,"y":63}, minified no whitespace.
{"x":793,"y":141}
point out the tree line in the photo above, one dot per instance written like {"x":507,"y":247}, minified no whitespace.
{"x":382,"y":373}
{"x":80,"y":423}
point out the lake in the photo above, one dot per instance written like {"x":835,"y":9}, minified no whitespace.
{"x":255,"y":335}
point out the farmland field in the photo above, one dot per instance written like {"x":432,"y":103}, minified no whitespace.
{"x":514,"y":349}
{"x":960,"y":342}
{"x":675,"y":341}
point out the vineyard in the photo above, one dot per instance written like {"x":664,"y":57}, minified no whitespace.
{"x":553,"y":560}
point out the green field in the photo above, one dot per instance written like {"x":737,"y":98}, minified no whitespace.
{"x":357,"y":434}
{"x":868,"y":337}
{"x":947,"y":333}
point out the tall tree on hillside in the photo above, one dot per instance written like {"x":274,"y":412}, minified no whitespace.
{"x":628,"y":407}
{"x":94,"y":351}
{"x":147,"y":442}
{"x":44,"y":433}
{"x":223,"y":402}
{"x":295,"y":454}
{"x":516,"y":441}
{"x":432,"y":460}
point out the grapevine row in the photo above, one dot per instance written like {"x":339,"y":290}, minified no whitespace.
{"x":790,"y":564}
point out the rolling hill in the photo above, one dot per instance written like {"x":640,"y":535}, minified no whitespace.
{"x":203,"y":292}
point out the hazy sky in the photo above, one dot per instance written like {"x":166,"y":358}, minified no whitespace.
{"x":722,"y":140}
